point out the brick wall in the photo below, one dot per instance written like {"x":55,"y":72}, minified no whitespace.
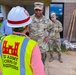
{"x":68,"y":10}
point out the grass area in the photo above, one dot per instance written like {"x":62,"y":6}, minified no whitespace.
{"x":0,"y":36}
{"x":63,"y":48}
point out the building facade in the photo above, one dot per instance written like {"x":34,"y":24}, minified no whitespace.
{"x":68,"y":7}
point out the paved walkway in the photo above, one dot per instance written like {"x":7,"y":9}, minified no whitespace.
{"x":68,"y":67}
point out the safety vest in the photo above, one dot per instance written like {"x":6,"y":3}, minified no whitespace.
{"x":16,"y":55}
{"x":0,"y":58}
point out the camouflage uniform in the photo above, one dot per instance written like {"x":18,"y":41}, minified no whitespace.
{"x":38,"y":29}
{"x":55,"y":40}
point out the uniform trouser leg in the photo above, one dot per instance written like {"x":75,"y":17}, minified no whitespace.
{"x":59,"y":57}
{"x":58,"y":43}
{"x":51,"y":56}
{"x":51,"y":44}
{"x":43,"y":57}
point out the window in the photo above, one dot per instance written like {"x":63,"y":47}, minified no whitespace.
{"x":30,"y":9}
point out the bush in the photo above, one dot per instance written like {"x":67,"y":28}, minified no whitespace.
{"x":63,"y":48}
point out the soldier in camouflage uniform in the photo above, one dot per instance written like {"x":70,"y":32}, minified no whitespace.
{"x":39,"y":27}
{"x":55,"y":40}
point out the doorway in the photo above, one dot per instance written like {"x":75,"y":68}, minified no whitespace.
{"x":58,"y":8}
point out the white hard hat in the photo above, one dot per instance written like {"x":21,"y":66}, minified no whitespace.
{"x":1,"y":15}
{"x":18,"y":17}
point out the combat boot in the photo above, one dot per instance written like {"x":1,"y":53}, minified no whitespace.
{"x":44,"y":57}
{"x":59,"y":58}
{"x":51,"y":59}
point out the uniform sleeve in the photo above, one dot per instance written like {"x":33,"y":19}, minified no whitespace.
{"x":36,"y":62}
{"x":52,"y":32}
{"x":60,"y":28}
{"x":51,"y":29}
{"x":49,"y":25}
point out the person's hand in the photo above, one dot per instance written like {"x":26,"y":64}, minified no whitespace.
{"x":56,"y":29}
{"x":46,"y":39}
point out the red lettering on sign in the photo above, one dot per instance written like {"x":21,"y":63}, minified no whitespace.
{"x":8,"y":49}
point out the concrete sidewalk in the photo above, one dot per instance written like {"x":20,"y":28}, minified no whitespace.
{"x":68,"y":67}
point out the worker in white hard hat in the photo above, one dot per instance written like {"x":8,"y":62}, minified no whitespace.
{"x":55,"y":40}
{"x":20,"y":54}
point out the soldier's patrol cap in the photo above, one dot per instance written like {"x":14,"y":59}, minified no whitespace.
{"x":53,"y":15}
{"x":38,"y":5}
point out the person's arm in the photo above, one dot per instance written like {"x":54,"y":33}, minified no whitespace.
{"x":36,"y":62}
{"x":3,"y":29}
{"x":50,"y":31}
{"x":60,"y":28}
